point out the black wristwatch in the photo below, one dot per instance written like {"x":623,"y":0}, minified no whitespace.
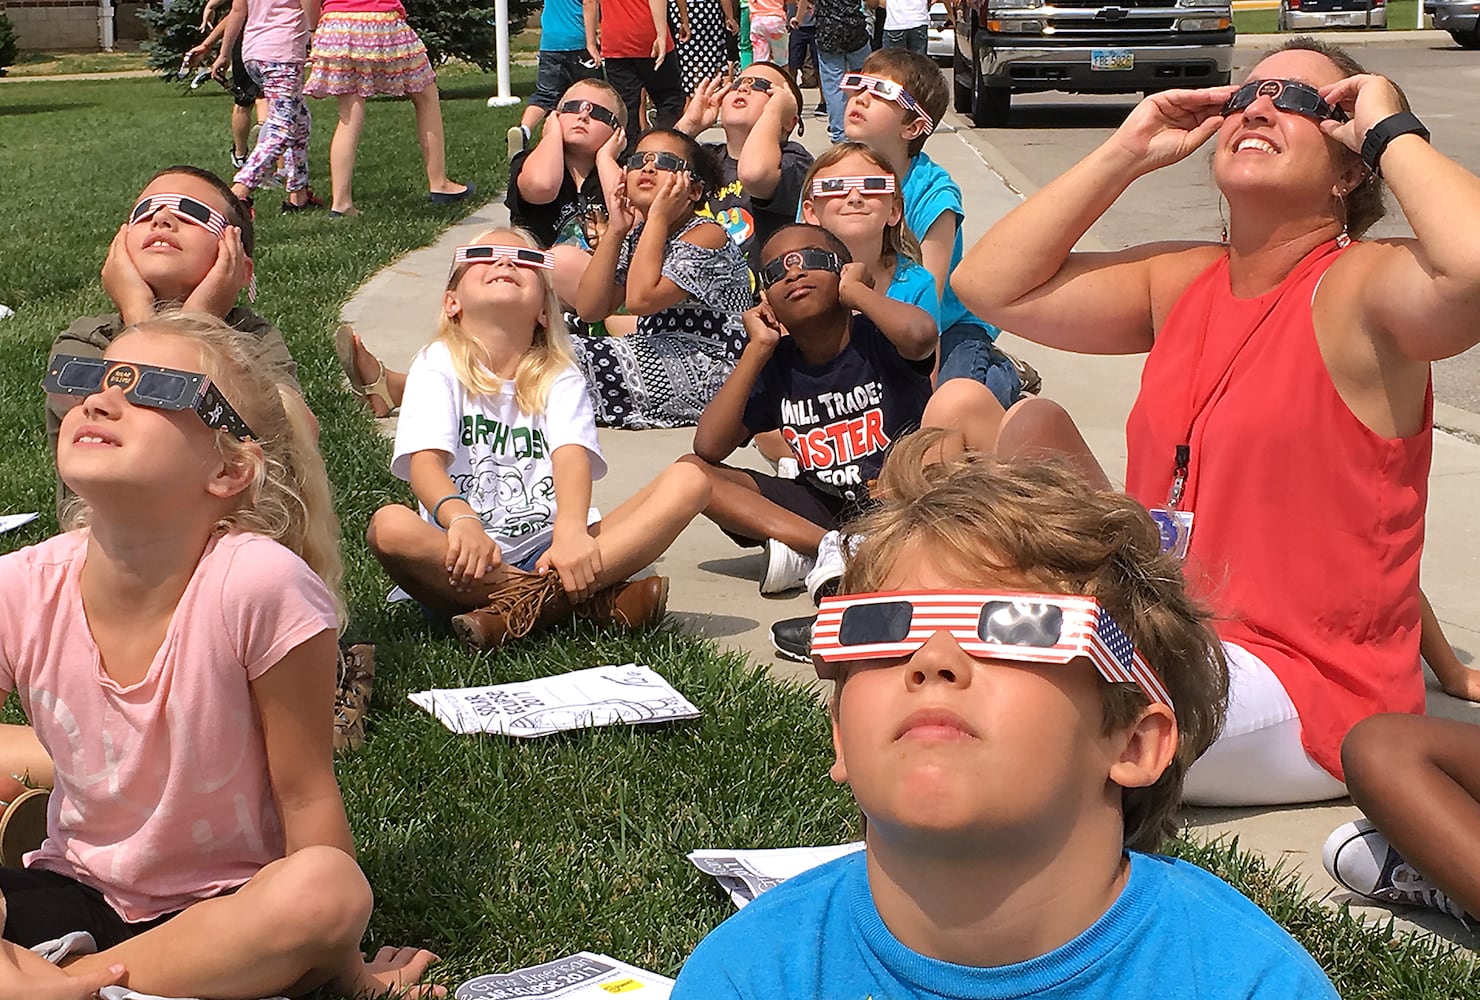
{"x":1385,"y":131}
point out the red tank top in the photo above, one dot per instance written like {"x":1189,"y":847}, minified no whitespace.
{"x":1308,"y":526}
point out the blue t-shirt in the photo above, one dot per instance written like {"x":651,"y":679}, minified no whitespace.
{"x":1175,"y":933}
{"x":928,"y":193}
{"x":916,"y":285}
{"x":562,"y":27}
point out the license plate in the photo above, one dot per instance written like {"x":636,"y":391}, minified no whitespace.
{"x":1112,"y":59}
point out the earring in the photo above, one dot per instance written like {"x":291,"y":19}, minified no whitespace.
{"x":1344,"y":237}
{"x":1223,"y":235}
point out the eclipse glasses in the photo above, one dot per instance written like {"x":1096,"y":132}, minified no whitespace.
{"x":1287,"y":95}
{"x":660,"y":160}
{"x":591,"y":110}
{"x":184,"y":208}
{"x":521,"y":256}
{"x":837,"y":187}
{"x":146,"y":385}
{"x":808,"y":259}
{"x":889,"y":91}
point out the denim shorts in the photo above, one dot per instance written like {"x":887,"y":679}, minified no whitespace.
{"x":967,"y":352}
{"x":557,"y":72}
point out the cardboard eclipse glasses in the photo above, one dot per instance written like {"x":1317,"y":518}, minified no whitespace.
{"x":837,"y":187}
{"x":808,"y":259}
{"x":1024,"y":628}
{"x":184,"y":208}
{"x":1287,"y":95}
{"x":521,"y":256}
{"x":889,"y":91}
{"x":146,"y":385}
{"x":660,"y":160}
{"x":591,"y":110}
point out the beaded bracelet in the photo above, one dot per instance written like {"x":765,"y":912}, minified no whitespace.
{"x":437,"y":510}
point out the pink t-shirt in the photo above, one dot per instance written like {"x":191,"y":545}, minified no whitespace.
{"x":363,"y":7}
{"x":276,"y":31}
{"x":162,"y":792}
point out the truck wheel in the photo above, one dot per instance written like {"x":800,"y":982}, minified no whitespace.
{"x":1467,"y":39}
{"x":963,"y":93}
{"x":989,"y":105}
{"x":1281,"y":23}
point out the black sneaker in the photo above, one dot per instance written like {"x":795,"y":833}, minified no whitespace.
{"x":820,"y":111}
{"x":792,"y":638}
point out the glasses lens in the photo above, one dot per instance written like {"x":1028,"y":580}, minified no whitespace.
{"x":637,"y":161}
{"x":142,"y":211}
{"x":773,"y":272}
{"x":876,"y":185}
{"x":817,"y":260}
{"x":194,"y":210}
{"x":78,"y":376}
{"x":1013,"y":623}
{"x":668,"y":161}
{"x":161,"y":387}
{"x":852,"y":81}
{"x":478,"y":253}
{"x":867,"y":624}
{"x":831,"y":185}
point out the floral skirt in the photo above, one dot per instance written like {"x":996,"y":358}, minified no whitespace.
{"x":367,"y":54}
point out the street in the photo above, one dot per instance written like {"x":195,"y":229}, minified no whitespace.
{"x":1049,"y":132}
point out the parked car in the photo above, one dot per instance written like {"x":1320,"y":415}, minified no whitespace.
{"x":942,"y":46}
{"x":1305,"y":15}
{"x":1461,"y":18}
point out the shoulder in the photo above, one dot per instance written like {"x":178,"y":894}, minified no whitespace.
{"x":709,"y":235}
{"x":794,"y":153}
{"x":24,"y":570}
{"x":435,"y":357}
{"x":97,"y":331}
{"x":245,"y":320}
{"x":1173,"y":267}
{"x":256,"y":561}
{"x":928,"y":179}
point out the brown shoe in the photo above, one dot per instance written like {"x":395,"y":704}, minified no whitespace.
{"x":352,"y":697}
{"x":527,"y":602}
{"x":632,"y":605}
{"x":23,"y":825}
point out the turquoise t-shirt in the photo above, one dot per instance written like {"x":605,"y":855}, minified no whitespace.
{"x":915,"y":285}
{"x":562,"y":27}
{"x":929,"y":192}
{"x":1175,"y":933}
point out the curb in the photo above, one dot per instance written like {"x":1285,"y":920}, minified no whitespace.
{"x":1351,"y":39}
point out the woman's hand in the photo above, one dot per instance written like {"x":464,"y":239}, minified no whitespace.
{"x":1168,"y":126}
{"x":471,"y":553}
{"x":1368,"y":99}
{"x":671,"y":200}
{"x":577,"y":559}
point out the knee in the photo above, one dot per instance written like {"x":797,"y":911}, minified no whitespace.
{"x":688,"y":484}
{"x":318,"y":902}
{"x":1032,"y":423}
{"x":391,"y":530}
{"x":1374,"y":746}
{"x":961,"y":401}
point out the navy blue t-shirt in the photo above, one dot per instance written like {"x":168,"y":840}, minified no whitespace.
{"x":840,"y":417}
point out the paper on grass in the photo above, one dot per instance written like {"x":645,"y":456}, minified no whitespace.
{"x":9,"y":522}
{"x":599,"y":696}
{"x":580,"y":976}
{"x":747,"y":874}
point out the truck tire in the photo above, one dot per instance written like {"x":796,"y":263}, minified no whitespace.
{"x":963,"y":95}
{"x":1467,"y":39}
{"x":990,"y":106}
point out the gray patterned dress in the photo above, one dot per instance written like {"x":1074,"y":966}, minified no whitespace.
{"x":666,"y":371}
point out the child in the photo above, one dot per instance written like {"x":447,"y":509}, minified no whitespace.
{"x":896,"y":102}
{"x":842,"y":39}
{"x":563,"y":62}
{"x":633,"y":46}
{"x":175,"y":651}
{"x":1020,"y":683}
{"x":274,"y":36}
{"x":761,"y":167}
{"x":497,"y":441}
{"x":767,"y":24}
{"x":679,"y":274}
{"x":841,"y":388}
{"x":555,"y":190}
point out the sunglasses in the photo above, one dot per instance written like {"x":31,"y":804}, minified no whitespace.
{"x":146,"y":385}
{"x":591,"y":110}
{"x":746,"y":84}
{"x":1287,"y":95}
{"x":477,"y":253}
{"x":1024,"y":628}
{"x":889,"y":91}
{"x":830,"y":187}
{"x":660,"y":161}
{"x":184,"y":208}
{"x":810,"y":259}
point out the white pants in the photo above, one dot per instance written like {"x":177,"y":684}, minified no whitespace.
{"x":1258,"y":759}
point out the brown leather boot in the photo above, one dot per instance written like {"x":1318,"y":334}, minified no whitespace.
{"x":632,"y":605}
{"x":527,"y":602}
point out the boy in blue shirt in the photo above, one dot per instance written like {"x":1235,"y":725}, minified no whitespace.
{"x":1015,"y":745}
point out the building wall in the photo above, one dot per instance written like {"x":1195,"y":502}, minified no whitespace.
{"x":69,"y":24}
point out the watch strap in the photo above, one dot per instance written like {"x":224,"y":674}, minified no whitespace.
{"x":1385,"y":131}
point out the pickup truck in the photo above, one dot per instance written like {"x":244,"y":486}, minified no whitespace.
{"x":1085,"y":47}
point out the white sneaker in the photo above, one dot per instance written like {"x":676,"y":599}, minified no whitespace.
{"x":828,"y":567}
{"x":517,"y":139}
{"x":1361,"y":859}
{"x":786,"y":568}
{"x":787,"y":468}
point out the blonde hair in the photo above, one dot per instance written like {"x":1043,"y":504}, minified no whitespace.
{"x":289,"y":499}
{"x":549,"y":354}
{"x":1039,"y":522}
{"x":899,"y":241}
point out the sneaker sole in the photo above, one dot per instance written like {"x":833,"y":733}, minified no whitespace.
{"x":468,"y":634}
{"x":787,"y":654}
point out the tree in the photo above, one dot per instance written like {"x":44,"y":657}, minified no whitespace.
{"x":451,"y":29}
{"x":7,"y":43}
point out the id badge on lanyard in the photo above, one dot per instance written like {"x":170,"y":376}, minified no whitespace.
{"x":1176,"y":524}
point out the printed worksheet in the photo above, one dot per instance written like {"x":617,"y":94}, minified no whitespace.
{"x":578,"y":977}
{"x":630,"y":694}
{"x":744,"y":875}
{"x":9,"y":522}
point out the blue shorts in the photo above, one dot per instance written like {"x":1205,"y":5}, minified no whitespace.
{"x":967,"y":352}
{"x":527,"y":563}
{"x":557,"y":72}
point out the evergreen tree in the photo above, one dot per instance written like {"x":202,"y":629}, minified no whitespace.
{"x":7,"y":43}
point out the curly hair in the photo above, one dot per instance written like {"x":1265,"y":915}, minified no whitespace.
{"x":1038,"y":521}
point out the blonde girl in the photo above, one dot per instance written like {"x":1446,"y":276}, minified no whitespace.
{"x":498,"y":442}
{"x":175,"y":651}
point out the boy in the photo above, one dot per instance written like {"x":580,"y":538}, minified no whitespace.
{"x":563,"y":61}
{"x":555,"y":190}
{"x":633,"y":49}
{"x":761,"y":165}
{"x":842,"y":38}
{"x":166,"y":254}
{"x":895,"y":103}
{"x":841,"y":388}
{"x":1009,"y":786}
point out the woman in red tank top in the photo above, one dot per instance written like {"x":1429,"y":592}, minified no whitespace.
{"x":1283,"y":427}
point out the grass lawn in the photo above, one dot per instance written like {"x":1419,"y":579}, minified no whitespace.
{"x":494,"y":853}
{"x":33,"y":62}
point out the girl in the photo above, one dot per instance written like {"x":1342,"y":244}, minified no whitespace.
{"x":497,"y":440}
{"x":363,"y":48}
{"x":678,"y":273}
{"x":175,"y":651}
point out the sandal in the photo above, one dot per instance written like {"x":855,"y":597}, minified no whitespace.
{"x":352,"y":694}
{"x":344,"y":346}
{"x":23,"y":826}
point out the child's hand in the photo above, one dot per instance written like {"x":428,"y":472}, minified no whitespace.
{"x":471,"y":553}
{"x":853,"y":280}
{"x":660,"y":49}
{"x":733,"y":26}
{"x":553,"y":131}
{"x":223,"y":283}
{"x":193,"y":56}
{"x":702,"y":111}
{"x":577,"y":559}
{"x":123,"y":282}
{"x":59,"y":985}
{"x":620,"y":215}
{"x":610,"y":150}
{"x":762,"y":328}
{"x":782,"y":104}
{"x":671,"y":200}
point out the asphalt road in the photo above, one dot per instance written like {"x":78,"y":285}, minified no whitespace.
{"x":1047,"y":133}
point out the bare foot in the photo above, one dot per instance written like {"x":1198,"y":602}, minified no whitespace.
{"x":394,"y":971}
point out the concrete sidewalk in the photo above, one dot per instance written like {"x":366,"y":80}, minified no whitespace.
{"x":713,"y":583}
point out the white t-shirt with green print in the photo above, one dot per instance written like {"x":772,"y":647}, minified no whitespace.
{"x":501,"y":457}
